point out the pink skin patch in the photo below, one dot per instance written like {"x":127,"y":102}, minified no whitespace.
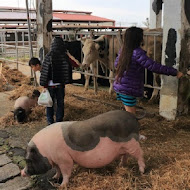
{"x":23,"y":174}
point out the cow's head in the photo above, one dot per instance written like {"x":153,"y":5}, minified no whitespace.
{"x":93,"y":49}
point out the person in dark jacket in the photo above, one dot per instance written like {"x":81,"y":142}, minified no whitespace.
{"x":56,"y":72}
{"x":130,"y":65}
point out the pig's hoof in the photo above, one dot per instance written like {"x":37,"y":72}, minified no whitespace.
{"x":141,"y":169}
{"x":142,"y":137}
{"x":56,"y":176}
{"x":64,"y":187}
{"x":54,"y":184}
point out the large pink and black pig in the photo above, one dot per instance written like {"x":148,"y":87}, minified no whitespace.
{"x":23,"y":105}
{"x":92,"y":143}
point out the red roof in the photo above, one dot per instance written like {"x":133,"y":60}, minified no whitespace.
{"x":16,"y":14}
{"x":80,"y":17}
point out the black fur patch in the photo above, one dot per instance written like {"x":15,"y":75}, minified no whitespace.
{"x":170,"y":51}
{"x":187,"y":10}
{"x":41,"y":53}
{"x":35,"y":93}
{"x":20,"y":114}
{"x":101,"y":55}
{"x":119,"y":126}
{"x":41,"y":9}
{"x":35,"y":162}
{"x":157,"y":6}
{"x":49,"y":25}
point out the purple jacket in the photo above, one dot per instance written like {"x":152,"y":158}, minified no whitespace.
{"x":132,"y":82}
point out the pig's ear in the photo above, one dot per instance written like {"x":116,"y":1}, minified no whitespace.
{"x":31,"y":153}
{"x":33,"y":150}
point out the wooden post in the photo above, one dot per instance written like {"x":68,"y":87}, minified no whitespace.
{"x":44,"y":26}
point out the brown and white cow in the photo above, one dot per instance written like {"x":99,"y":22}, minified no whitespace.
{"x":149,"y":42}
{"x":103,"y":49}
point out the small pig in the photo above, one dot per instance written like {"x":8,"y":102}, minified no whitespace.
{"x":23,"y":105}
{"x":91,"y":143}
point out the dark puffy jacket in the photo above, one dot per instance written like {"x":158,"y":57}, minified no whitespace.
{"x":56,"y":65}
{"x":132,"y":82}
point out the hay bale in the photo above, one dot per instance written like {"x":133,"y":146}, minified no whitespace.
{"x":37,"y":114}
{"x":24,"y":90}
{"x":7,"y":120}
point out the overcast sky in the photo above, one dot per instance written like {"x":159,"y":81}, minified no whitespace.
{"x":124,"y":12}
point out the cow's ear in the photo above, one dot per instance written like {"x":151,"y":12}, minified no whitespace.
{"x":97,"y":45}
{"x":83,"y":40}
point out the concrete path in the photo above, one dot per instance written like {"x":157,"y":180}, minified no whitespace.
{"x":10,"y":161}
{"x":10,"y":178}
{"x":12,"y":149}
{"x":5,"y":104}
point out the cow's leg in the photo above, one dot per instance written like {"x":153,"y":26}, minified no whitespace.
{"x":154,"y":95}
{"x":94,"y":70}
{"x":111,"y":75}
{"x":87,"y":79}
{"x":155,"y":91}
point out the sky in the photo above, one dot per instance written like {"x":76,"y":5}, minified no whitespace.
{"x":124,"y":12}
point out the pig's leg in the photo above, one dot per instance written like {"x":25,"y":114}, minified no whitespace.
{"x":133,"y":148}
{"x":58,"y":173}
{"x":123,"y":160}
{"x":66,"y":169}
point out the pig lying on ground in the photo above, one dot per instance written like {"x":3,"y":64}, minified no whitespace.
{"x":23,"y":105}
{"x":92,"y":143}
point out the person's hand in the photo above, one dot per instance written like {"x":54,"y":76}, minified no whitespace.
{"x":179,"y":74}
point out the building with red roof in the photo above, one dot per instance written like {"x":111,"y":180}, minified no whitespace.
{"x":11,"y":17}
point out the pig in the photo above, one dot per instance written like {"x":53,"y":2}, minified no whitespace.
{"x":91,"y":143}
{"x":23,"y":105}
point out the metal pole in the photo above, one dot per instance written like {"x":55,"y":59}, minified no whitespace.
{"x":16,"y":44}
{"x":29,"y":30}
{"x":23,"y":44}
{"x":30,"y":42}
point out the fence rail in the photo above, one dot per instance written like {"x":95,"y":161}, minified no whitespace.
{"x":21,"y":47}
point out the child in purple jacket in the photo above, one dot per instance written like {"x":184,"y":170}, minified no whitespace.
{"x":130,"y":65}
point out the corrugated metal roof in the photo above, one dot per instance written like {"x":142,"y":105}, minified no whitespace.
{"x":6,"y":14}
{"x":16,"y":16}
{"x":78,"y":17}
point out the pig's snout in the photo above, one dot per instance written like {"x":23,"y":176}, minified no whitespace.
{"x":23,"y":173}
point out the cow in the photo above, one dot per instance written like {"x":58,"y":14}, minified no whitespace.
{"x":103,"y":49}
{"x":153,"y":79}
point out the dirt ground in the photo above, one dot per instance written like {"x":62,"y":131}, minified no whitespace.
{"x":166,"y":149}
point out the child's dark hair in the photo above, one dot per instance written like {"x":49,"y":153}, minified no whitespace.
{"x":34,"y":61}
{"x":133,"y":38}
